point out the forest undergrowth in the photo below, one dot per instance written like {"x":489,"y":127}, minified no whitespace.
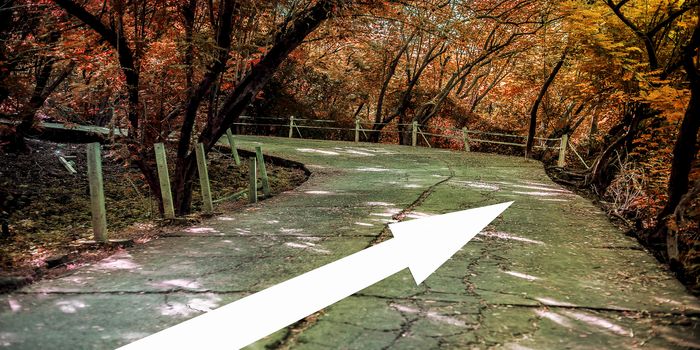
{"x":46,"y":214}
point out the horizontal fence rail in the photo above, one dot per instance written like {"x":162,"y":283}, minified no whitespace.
{"x":101,"y":130}
{"x":294,"y":125}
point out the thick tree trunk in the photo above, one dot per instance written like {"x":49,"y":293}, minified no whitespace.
{"x":236,"y":102}
{"x":246,"y":90}
{"x":536,"y":105}
{"x":146,"y":164}
{"x":195,"y":98}
{"x":185,"y":162}
{"x":188,"y":11}
{"x":183,"y":185}
{"x":685,"y":150}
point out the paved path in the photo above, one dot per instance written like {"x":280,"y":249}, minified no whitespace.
{"x":552,"y":272}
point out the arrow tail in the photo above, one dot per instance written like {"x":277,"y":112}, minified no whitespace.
{"x":253,"y":317}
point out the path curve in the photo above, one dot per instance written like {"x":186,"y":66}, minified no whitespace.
{"x":552,"y":272}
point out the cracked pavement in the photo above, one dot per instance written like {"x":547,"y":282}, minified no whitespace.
{"x":551,"y":272}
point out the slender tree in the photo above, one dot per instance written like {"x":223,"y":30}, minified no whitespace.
{"x":536,"y":104}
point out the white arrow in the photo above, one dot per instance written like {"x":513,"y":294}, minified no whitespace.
{"x":422,"y":245}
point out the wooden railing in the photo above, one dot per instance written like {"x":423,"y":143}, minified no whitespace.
{"x":294,"y":126}
{"x":101,"y":130}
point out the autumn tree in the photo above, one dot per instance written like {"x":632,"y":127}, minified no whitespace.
{"x":449,"y":51}
{"x":647,"y":69}
{"x":256,"y":37}
{"x":31,"y":66}
{"x":647,"y":53}
{"x":685,"y":149}
{"x":496,"y":30}
{"x":665,"y":54}
{"x":535,"y":106}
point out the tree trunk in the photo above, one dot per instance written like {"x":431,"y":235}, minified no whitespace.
{"x":184,"y":161}
{"x":536,"y":105}
{"x":685,"y":150}
{"x":43,"y":88}
{"x":195,"y":97}
{"x":404,"y":132}
{"x":245,"y":91}
{"x":146,"y":164}
{"x":375,"y":136}
{"x":118,"y":41}
{"x":7,"y":27}
{"x":183,"y":185}
{"x":601,"y":172}
{"x":434,"y":52}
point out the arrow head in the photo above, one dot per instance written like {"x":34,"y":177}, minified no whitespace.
{"x":431,"y":241}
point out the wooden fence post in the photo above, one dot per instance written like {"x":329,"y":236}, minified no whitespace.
{"x":562,"y":150}
{"x":97,"y":195}
{"x":414,"y":134}
{"x":263,"y":171}
{"x":207,"y":205}
{"x":465,"y":138}
{"x":252,"y":181}
{"x":291,"y":126}
{"x":164,"y":179}
{"x":232,"y":144}
{"x":357,"y":130}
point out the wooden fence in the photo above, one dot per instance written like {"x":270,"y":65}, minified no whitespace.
{"x":467,"y":137}
{"x":97,"y":197}
{"x":257,"y":163}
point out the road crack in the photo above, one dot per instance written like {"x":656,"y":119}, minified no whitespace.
{"x":295,"y":330}
{"x":385,"y":234}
